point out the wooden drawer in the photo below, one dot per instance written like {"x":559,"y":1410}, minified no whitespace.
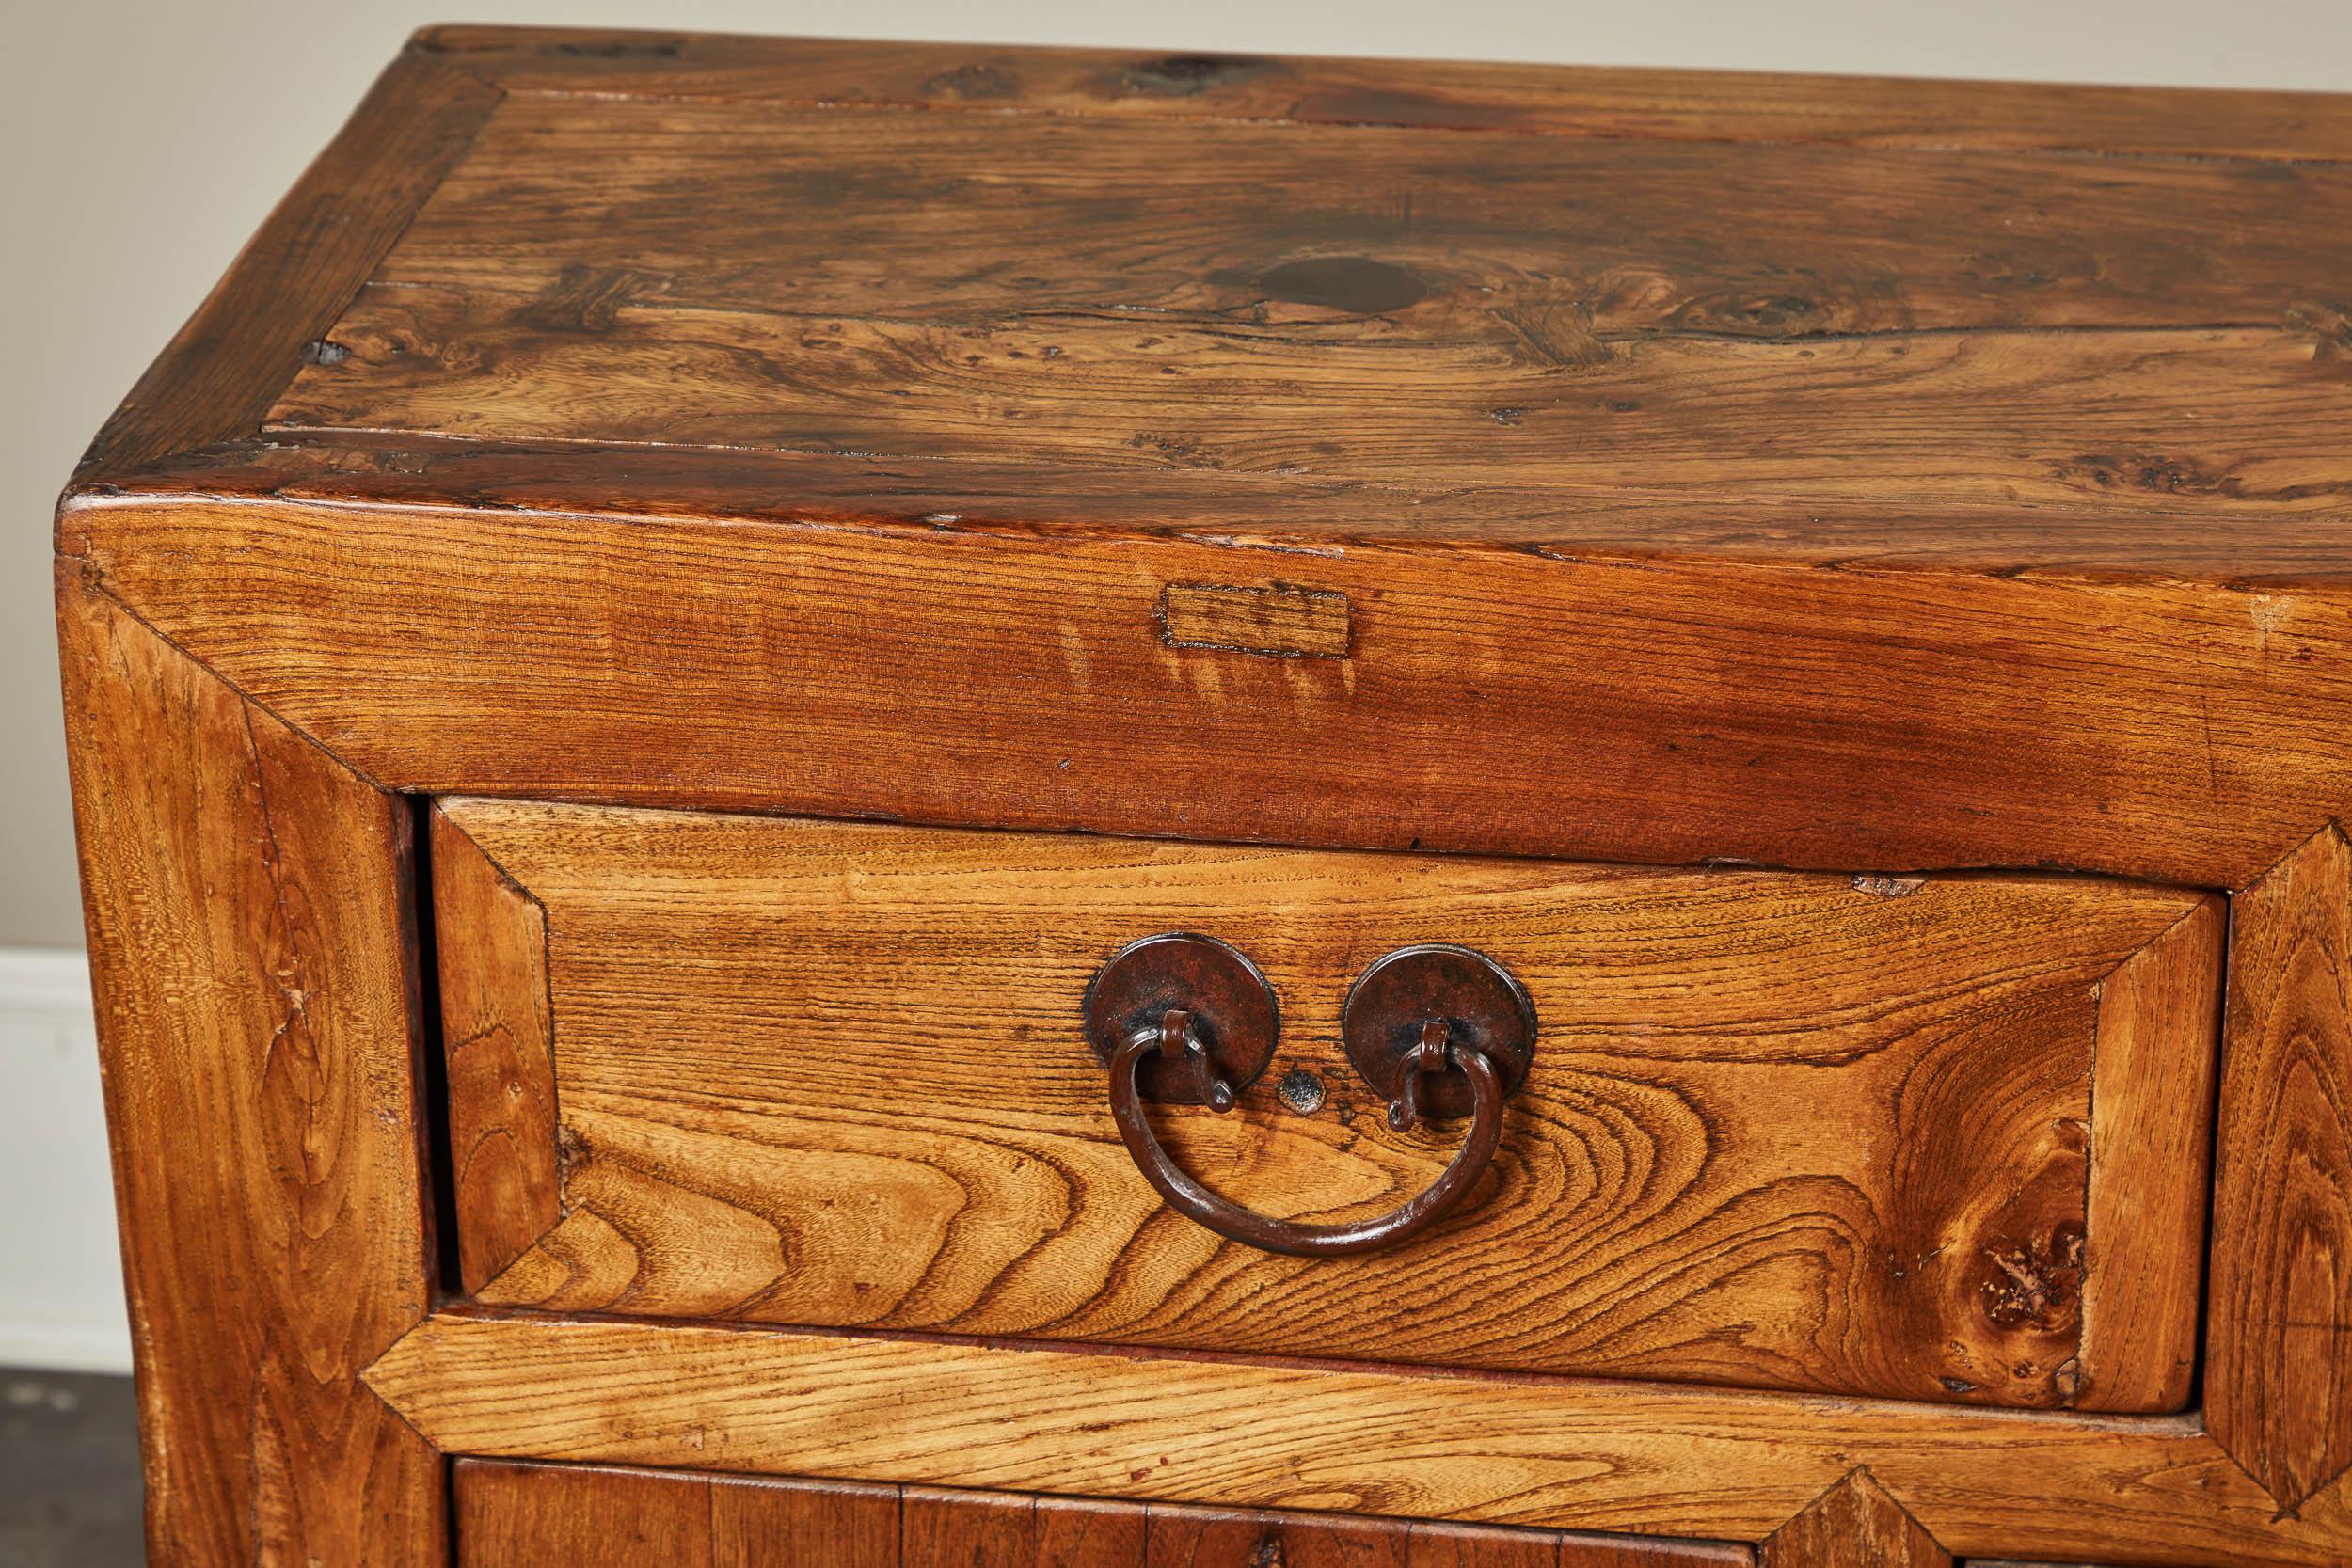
{"x":1939,"y":1139}
{"x":579,"y":1516}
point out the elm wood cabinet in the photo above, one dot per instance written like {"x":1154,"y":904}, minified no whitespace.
{"x":638,"y":668}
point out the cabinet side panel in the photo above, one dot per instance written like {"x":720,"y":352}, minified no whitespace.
{"x":251,"y":944}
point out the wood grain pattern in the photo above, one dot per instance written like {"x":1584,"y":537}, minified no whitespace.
{"x":601,"y":1517}
{"x":1781,"y":1132}
{"x":249,"y":932}
{"x":838,"y":1524}
{"x":945,"y":1529}
{"x":1844,"y":718}
{"x":1079,"y":1533}
{"x":1581,"y":1454}
{"x":1853,"y":1525}
{"x":858,"y":493}
{"x":1209,"y":1537}
{"x":1828,"y":381}
{"x":2278,"y":1348}
{"x":1939,"y":417}
{"x":962,"y":1530}
{"x":1580,"y":1549}
{"x":1836,"y":475}
{"x":1443,"y":346}
{"x":2151,"y":1145}
{"x":1433,"y":1546}
{"x":497,"y":1036}
{"x":421,"y":123}
{"x":1281,"y":620}
{"x":1566,"y":101}
{"x":593,"y":1517}
{"x":807,"y":273}
{"x":541,"y":1516}
{"x":220,"y":373}
{"x":831,"y":220}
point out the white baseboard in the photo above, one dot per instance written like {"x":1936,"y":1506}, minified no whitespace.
{"x":50,"y":983}
{"x":60,"y":1272}
{"x":65,"y":1347}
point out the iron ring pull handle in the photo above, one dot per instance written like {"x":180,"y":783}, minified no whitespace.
{"x":1175,"y":1039}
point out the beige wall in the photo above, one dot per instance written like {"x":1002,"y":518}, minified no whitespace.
{"x":144,"y":141}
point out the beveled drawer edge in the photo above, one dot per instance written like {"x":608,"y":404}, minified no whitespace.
{"x":498,"y":1046}
{"x":1581,"y":1453}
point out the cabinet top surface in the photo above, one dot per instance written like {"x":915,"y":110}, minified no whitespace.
{"x":1999,"y":325}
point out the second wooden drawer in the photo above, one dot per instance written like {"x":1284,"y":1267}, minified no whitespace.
{"x":1939,"y":1139}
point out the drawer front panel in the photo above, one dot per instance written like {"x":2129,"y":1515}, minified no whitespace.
{"x":1938,"y":1139}
{"x":582,"y":1516}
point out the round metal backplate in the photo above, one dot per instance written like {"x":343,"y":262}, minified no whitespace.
{"x":1483,"y":1005}
{"x":1231,"y":1005}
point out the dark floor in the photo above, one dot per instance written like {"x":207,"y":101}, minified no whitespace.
{"x":68,"y":1471}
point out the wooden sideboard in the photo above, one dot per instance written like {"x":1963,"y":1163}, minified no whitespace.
{"x":896,"y":805}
